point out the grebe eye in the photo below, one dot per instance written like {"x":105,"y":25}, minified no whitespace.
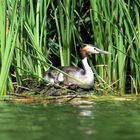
{"x":95,"y":49}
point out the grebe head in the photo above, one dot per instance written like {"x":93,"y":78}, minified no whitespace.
{"x":89,"y":48}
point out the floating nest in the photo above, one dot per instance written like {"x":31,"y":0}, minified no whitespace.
{"x":34,"y":87}
{"x":34,"y":91}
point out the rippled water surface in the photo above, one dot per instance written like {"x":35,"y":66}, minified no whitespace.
{"x":99,"y":120}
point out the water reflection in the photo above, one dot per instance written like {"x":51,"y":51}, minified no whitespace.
{"x":86,"y":109}
{"x":86,"y":113}
{"x":104,"y":120}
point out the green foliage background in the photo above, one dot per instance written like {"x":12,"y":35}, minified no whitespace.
{"x":35,"y":34}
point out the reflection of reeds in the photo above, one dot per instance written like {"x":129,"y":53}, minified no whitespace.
{"x":32,"y":32}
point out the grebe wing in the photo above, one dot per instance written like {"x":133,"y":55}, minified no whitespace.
{"x":53,"y":75}
{"x":71,"y":69}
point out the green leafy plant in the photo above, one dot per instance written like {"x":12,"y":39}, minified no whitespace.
{"x":34,"y":32}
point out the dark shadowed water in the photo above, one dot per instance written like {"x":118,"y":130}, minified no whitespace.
{"x":99,"y":120}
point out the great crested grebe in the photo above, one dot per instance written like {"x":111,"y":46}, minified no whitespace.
{"x":75,"y":76}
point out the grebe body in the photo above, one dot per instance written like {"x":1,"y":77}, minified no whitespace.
{"x":75,"y":76}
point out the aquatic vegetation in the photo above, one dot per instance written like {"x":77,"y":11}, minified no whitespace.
{"x":37,"y":35}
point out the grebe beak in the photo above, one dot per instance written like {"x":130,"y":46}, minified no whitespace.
{"x":95,"y":50}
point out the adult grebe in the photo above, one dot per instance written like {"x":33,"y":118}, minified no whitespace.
{"x":75,"y":76}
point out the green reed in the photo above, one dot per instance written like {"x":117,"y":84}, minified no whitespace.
{"x":116,"y":28}
{"x":33,"y":32}
{"x":7,"y":43}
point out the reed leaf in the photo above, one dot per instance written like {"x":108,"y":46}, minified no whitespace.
{"x":33,"y":33}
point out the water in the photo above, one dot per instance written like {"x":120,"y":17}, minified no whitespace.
{"x":99,"y":120}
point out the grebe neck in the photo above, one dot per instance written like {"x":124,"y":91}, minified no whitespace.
{"x":85,"y":64}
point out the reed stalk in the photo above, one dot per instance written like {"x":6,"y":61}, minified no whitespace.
{"x":32,"y":32}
